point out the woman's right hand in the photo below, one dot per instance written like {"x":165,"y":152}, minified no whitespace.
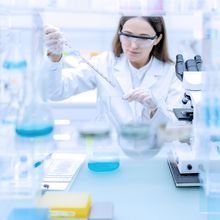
{"x":54,"y":42}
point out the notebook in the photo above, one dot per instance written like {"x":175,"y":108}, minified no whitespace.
{"x":66,"y":204}
{"x":61,"y":169}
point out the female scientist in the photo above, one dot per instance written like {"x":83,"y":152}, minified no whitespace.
{"x":139,"y":66}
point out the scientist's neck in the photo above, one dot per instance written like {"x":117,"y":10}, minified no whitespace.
{"x":139,"y":64}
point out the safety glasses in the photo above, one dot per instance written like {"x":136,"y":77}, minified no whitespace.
{"x":141,"y":41}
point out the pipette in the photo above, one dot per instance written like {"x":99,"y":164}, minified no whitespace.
{"x":77,"y":53}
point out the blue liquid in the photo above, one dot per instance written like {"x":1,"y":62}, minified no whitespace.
{"x":103,"y":166}
{"x":35,"y":132}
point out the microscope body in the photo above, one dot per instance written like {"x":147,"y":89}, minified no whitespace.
{"x":190,"y":74}
{"x":202,"y":154}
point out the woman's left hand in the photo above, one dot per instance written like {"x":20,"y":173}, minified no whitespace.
{"x":142,"y":96}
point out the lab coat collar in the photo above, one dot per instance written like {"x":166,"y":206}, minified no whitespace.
{"x":153,"y":73}
{"x":123,"y":75}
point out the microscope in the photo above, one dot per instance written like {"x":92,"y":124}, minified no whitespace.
{"x":189,"y":72}
{"x":197,"y":163}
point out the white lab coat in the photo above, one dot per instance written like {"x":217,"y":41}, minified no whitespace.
{"x":160,"y":79}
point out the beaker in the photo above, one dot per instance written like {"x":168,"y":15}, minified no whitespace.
{"x":136,"y":134}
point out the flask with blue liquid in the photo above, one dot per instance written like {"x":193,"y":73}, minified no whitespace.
{"x":35,"y":116}
{"x":102,"y":153}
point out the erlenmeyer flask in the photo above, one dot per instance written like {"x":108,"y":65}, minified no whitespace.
{"x":35,"y":117}
{"x":103,"y":155}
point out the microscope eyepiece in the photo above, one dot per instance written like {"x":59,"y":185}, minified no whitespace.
{"x":180,"y":66}
{"x":198,"y":60}
{"x":191,"y":65}
{"x":179,"y":58}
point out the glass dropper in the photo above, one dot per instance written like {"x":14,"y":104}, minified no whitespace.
{"x":77,"y":53}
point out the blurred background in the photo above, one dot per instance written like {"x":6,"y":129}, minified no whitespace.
{"x":89,"y":26}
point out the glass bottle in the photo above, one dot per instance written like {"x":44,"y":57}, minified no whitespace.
{"x":4,"y":43}
{"x":207,"y":124}
{"x":22,"y":169}
{"x":14,"y":68}
{"x":24,"y":183}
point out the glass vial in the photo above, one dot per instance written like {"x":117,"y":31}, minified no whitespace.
{"x":22,"y":169}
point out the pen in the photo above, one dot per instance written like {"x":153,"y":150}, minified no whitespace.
{"x":38,"y":163}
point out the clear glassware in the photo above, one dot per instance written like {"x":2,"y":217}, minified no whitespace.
{"x":14,"y":68}
{"x":138,"y":140}
{"x":136,"y":135}
{"x":35,"y":116}
{"x":17,"y":179}
{"x":10,"y":112}
{"x":4,"y":43}
{"x":103,"y":155}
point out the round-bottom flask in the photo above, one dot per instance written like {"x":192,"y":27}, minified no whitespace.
{"x":102,"y":154}
{"x":138,"y":140}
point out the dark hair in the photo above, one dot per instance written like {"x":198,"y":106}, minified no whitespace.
{"x":160,"y":51}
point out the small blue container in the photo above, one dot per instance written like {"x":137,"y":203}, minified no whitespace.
{"x":103,"y":166}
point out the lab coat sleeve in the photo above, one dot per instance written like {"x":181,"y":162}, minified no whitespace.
{"x":61,"y":86}
{"x":167,"y":97}
{"x":51,"y":77}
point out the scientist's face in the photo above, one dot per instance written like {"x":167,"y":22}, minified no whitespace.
{"x":138,"y":38}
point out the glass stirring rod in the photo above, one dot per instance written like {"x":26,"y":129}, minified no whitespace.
{"x":77,"y":53}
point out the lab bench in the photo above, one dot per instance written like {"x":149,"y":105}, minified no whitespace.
{"x":139,"y":189}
